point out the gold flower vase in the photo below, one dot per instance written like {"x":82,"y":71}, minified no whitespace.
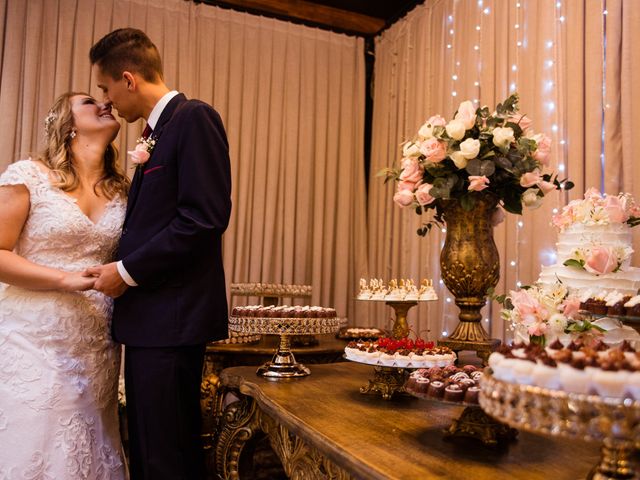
{"x":470,"y":266}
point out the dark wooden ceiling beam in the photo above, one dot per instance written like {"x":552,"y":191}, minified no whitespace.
{"x":310,"y":12}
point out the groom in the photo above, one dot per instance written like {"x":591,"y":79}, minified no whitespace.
{"x":168,"y":281}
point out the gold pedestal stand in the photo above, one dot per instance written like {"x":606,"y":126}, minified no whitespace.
{"x":283,"y":364}
{"x":474,"y":423}
{"x":389,"y":381}
{"x":614,"y":422}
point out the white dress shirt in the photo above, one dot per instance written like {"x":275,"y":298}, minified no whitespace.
{"x":152,"y":121}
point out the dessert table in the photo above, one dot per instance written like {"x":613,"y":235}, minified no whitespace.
{"x":320,"y":426}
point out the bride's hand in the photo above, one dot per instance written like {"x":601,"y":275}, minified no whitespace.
{"x":75,"y":281}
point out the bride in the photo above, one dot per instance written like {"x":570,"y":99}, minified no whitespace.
{"x":59,"y":368}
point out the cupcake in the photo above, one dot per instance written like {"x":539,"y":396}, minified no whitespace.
{"x":436,"y":389}
{"x":471,"y":395}
{"x":453,"y":393}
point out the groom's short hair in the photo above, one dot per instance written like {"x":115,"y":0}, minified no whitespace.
{"x":127,"y":49}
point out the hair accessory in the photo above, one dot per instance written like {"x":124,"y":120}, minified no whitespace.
{"x":72,"y":134}
{"x":48,"y":122}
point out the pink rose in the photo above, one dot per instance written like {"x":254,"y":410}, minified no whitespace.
{"x":530,"y":179}
{"x":466,"y":114}
{"x":411,"y":170}
{"x":497,"y":217}
{"x":562,"y":220}
{"x":437,"y":121}
{"x":139,"y":155}
{"x":571,"y":307}
{"x":478,"y":183}
{"x":601,"y":261}
{"x":615,"y":210}
{"x":434,"y":150}
{"x":544,"y":148}
{"x":406,"y":186}
{"x":546,"y":187}
{"x":404,"y":198}
{"x":422,"y":194}
{"x":522,"y":121}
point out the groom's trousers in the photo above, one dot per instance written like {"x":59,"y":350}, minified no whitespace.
{"x":163,"y":412}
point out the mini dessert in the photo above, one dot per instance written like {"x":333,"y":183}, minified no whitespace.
{"x":403,"y":353}
{"x":396,"y":290}
{"x":283,"y":311}
{"x":449,"y":383}
{"x":592,"y":368}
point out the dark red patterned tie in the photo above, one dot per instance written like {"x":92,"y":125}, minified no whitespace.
{"x":147,"y":131}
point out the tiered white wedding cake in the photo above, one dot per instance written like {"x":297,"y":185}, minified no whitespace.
{"x":594,"y":246}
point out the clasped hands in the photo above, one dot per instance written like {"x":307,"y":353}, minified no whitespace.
{"x":107,"y":279}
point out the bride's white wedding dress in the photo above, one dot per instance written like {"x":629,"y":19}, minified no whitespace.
{"x":58,"y":365}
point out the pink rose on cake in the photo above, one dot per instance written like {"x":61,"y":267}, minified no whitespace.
{"x":615,"y":209}
{"x":601,"y":260}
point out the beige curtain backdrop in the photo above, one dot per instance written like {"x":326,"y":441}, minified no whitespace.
{"x":291,"y":97}
{"x":553,"y":54}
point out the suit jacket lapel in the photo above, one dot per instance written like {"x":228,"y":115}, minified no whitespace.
{"x":136,"y":182}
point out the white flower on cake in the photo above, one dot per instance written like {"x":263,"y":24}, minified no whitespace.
{"x":598,"y":209}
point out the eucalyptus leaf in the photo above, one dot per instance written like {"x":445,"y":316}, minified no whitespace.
{"x":467,"y":202}
{"x":473,"y":167}
{"x":487,"y":168}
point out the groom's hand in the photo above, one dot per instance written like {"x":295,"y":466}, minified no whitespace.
{"x":108,"y":280}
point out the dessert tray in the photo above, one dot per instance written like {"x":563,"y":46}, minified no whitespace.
{"x":613,"y":421}
{"x":360,"y":333}
{"x":270,"y":290}
{"x":283,"y":364}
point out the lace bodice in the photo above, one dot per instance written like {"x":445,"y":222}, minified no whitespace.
{"x":58,"y":365}
{"x":57,"y":233}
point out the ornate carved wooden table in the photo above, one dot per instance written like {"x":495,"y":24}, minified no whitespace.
{"x":321,"y":427}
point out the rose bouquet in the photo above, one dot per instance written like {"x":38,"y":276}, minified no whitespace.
{"x":477,"y":151}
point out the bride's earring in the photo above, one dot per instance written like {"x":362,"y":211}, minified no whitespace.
{"x":72,"y":135}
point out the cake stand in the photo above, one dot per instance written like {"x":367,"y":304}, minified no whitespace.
{"x":473,"y":422}
{"x":283,"y":363}
{"x":271,"y":294}
{"x":614,"y":422}
{"x":388,"y":381}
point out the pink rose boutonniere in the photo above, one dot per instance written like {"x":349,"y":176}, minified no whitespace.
{"x":141,"y":154}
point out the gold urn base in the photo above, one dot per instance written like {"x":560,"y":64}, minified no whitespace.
{"x":471,"y":336}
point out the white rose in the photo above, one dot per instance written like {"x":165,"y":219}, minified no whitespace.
{"x":455,"y":129}
{"x":531,"y":199}
{"x":459,"y":159}
{"x":502,"y":136}
{"x":410,"y":149}
{"x":426,"y":131}
{"x":470,"y":148}
{"x":557,"y":322}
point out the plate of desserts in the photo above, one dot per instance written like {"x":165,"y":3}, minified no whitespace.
{"x":399,"y":353}
{"x":360,"y":333}
{"x":403,"y":290}
{"x":451,"y":384}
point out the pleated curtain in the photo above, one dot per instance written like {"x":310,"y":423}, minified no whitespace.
{"x":574,"y":67}
{"x":291,"y":98}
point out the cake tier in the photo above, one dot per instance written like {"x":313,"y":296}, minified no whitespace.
{"x":626,"y":281}
{"x":580,"y":235}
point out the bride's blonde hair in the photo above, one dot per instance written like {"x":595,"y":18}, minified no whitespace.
{"x":57,"y":154}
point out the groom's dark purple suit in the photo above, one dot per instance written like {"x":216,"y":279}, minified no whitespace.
{"x":179,"y":206}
